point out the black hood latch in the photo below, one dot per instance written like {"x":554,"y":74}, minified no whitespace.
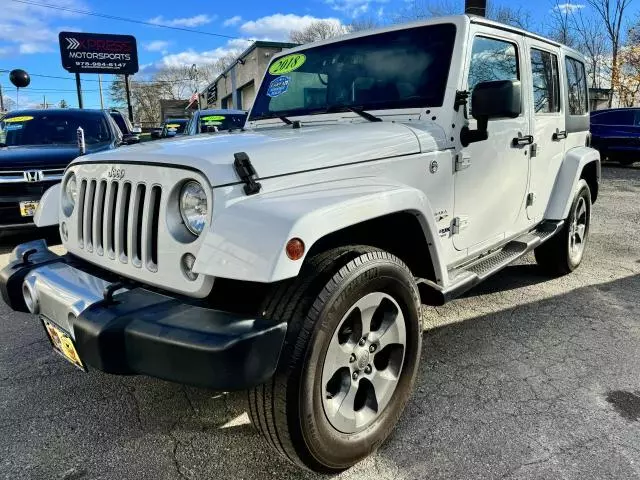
{"x":246,"y":172}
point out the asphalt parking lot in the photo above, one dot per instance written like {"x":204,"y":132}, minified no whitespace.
{"x":523,"y":378}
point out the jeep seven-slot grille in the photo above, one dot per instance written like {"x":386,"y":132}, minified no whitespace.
{"x":119,"y":220}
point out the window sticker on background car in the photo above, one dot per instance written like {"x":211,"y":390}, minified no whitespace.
{"x":213,"y":118}
{"x":278,"y":86}
{"x":13,"y":127}
{"x":287,"y":64}
{"x":173,"y":125}
{"x":17,"y":119}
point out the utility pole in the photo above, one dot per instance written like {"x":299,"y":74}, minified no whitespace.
{"x":128,"y":89}
{"x":100,"y":86}
{"x":79,"y":88}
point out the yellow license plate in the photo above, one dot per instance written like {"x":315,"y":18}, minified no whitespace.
{"x":28,"y":209}
{"x":63,"y":343}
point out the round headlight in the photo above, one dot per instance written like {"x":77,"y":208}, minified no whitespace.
{"x":70,"y":193}
{"x":193,"y":207}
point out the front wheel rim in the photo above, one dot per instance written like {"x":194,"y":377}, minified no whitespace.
{"x":578,"y":230}
{"x":363,"y":363}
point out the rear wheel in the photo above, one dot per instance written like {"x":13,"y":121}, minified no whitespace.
{"x":564,"y":252}
{"x":349,"y":361}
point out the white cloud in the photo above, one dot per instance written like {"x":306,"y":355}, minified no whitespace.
{"x":279,"y":26}
{"x":28,"y":29}
{"x":353,"y":8}
{"x":568,"y":7}
{"x":191,"y":56}
{"x":194,"y":21}
{"x":233,"y":21}
{"x":156,"y":46}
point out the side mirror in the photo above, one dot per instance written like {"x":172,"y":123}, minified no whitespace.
{"x":491,"y":100}
{"x":130,"y":139}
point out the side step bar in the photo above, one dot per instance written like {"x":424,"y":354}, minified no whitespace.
{"x":467,"y":276}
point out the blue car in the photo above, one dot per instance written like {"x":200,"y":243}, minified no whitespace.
{"x":35,"y":148}
{"x":616,"y":134}
{"x":212,"y":121}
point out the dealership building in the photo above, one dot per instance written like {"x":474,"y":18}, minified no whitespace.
{"x":235,"y":88}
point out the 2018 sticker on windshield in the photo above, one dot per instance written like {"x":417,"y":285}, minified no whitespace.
{"x":287,"y":64}
{"x":173,"y":125}
{"x":278,"y":86}
{"x":17,"y":119}
{"x":213,"y":118}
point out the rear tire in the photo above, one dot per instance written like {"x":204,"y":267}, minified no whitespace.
{"x":318,"y":418}
{"x":563,"y":253}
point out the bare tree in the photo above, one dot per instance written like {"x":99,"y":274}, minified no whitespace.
{"x":422,"y":9}
{"x":318,"y":30}
{"x":361,"y":24}
{"x":611,"y":12}
{"x":592,"y":42}
{"x":9,"y":104}
{"x":561,"y":23}
{"x":629,"y":69}
{"x":168,"y":83}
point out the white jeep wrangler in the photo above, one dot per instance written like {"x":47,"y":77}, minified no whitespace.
{"x":377,"y":171}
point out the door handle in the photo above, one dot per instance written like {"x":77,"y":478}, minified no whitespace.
{"x":522,"y":140}
{"x":559,"y":135}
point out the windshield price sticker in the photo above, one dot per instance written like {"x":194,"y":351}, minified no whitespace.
{"x":213,"y":118}
{"x":173,"y":125}
{"x":17,"y":119}
{"x":278,"y":86}
{"x":287,"y":64}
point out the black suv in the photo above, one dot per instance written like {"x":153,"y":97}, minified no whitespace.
{"x":35,"y":148}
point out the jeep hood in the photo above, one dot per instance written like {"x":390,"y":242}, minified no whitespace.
{"x":273,"y":151}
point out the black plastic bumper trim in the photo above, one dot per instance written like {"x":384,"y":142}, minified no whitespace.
{"x":149,"y":333}
{"x":146,"y":332}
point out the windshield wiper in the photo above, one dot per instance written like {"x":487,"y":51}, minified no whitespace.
{"x":356,"y":110}
{"x":286,"y":120}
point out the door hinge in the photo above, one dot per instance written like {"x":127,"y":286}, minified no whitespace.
{"x":463,"y":161}
{"x":459,"y":224}
{"x":534,"y":150}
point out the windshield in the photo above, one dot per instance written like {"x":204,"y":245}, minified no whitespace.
{"x":176,"y":125}
{"x":53,"y":128}
{"x":401,"y":69}
{"x":219,"y":122}
{"x":123,"y":122}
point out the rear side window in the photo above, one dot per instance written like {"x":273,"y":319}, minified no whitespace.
{"x":546,"y":81}
{"x":577,"y":87}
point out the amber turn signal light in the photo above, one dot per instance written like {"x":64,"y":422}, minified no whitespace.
{"x":295,"y":249}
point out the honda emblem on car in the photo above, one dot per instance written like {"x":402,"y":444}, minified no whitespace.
{"x":33,"y":176}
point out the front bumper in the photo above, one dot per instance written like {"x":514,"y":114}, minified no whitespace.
{"x":133,"y":330}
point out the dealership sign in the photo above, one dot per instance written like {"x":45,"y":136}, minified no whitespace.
{"x":98,"y":53}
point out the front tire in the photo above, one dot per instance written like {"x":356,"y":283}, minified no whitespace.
{"x":349,"y":361}
{"x":563,"y":253}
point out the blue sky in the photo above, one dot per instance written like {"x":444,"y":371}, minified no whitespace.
{"x":29,"y":33}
